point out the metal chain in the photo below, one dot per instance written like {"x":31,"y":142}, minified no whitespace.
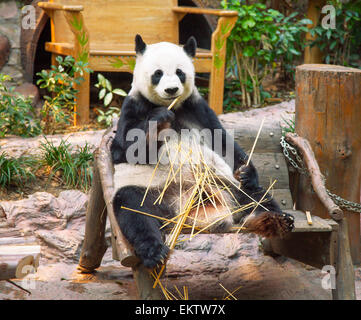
{"x":291,"y":154}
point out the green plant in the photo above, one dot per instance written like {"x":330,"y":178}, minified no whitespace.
{"x":74,"y":168}
{"x":60,"y":82}
{"x":16,"y":172}
{"x":341,"y":45}
{"x":289,"y":125}
{"x":106,"y":94}
{"x":16,"y":112}
{"x":232,"y":95}
{"x":260,"y":38}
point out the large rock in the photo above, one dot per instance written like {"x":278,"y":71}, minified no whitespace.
{"x":58,"y":221}
{"x":8,"y":9}
{"x":29,"y":90}
{"x":4,"y":50}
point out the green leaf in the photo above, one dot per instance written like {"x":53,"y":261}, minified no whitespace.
{"x":119,"y":92}
{"x":249,"y":51}
{"x":102,"y":93}
{"x":249,"y":23}
{"x":108,"y":99}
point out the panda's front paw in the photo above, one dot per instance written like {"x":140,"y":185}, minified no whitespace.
{"x":152,"y":253}
{"x":162,"y":115}
{"x":247,"y":176}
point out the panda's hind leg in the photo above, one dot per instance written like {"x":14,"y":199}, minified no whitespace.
{"x":141,"y":231}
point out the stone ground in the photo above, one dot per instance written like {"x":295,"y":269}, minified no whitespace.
{"x":203,"y":264}
{"x":202,"y":271}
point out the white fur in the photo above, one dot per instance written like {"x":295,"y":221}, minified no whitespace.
{"x":167,"y":57}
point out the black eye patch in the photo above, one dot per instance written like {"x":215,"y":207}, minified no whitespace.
{"x":181,"y":75}
{"x":156,"y":76}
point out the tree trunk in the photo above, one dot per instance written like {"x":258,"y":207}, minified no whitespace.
{"x":328,"y":115}
{"x":314,"y":54}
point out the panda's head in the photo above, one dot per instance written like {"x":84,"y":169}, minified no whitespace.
{"x":164,"y":71}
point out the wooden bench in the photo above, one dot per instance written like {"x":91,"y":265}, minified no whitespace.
{"x":323,"y":243}
{"x":102,"y":34}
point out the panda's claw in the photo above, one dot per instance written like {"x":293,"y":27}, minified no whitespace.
{"x":152,"y":253}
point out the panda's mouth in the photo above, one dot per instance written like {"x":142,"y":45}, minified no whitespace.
{"x":172,"y":98}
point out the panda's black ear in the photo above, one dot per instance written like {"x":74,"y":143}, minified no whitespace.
{"x":190,"y":47}
{"x":140,"y":45}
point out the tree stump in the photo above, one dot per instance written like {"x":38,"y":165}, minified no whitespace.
{"x":328,"y":115}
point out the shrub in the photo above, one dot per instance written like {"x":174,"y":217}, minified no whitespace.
{"x":260,"y":38}
{"x":16,"y":172}
{"x":74,"y":168}
{"x":60,"y":82}
{"x":341,"y":45}
{"x":16,"y":112}
{"x":106,"y":94}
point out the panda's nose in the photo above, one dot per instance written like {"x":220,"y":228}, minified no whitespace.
{"x":171,"y":90}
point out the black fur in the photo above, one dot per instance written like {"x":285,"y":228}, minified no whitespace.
{"x":142,"y":231}
{"x":140,"y":45}
{"x":181,"y":75}
{"x":190,"y":47}
{"x":156,"y":76}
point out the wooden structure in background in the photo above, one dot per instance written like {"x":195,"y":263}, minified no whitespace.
{"x":314,"y":54}
{"x":322,"y":243}
{"x":19,"y":255}
{"x":328,"y":114}
{"x":103,"y":35}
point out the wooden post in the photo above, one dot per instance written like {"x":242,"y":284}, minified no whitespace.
{"x":94,"y":246}
{"x":328,"y":115}
{"x":345,"y":275}
{"x":81,"y":53}
{"x":314,"y":54}
{"x":219,"y":44}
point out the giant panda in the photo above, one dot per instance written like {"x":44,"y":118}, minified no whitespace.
{"x":162,"y":73}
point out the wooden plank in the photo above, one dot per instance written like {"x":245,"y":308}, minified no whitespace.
{"x":301,"y":225}
{"x":283,"y":198}
{"x":155,"y":21}
{"x":216,"y":12}
{"x":65,"y":49}
{"x":271,"y":166}
{"x":245,"y":131}
{"x":312,"y":248}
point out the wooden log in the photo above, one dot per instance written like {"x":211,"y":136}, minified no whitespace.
{"x":328,"y":115}
{"x":345,"y":275}
{"x":106,"y":172}
{"x":94,"y":246}
{"x":144,"y":282}
{"x":123,"y":251}
{"x":317,"y":179}
{"x":18,"y":257}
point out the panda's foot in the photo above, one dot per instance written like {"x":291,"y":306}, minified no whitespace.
{"x":270,"y":224}
{"x":247,"y":176}
{"x":152,"y":253}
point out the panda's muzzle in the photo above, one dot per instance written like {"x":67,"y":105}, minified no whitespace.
{"x":171,"y":91}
